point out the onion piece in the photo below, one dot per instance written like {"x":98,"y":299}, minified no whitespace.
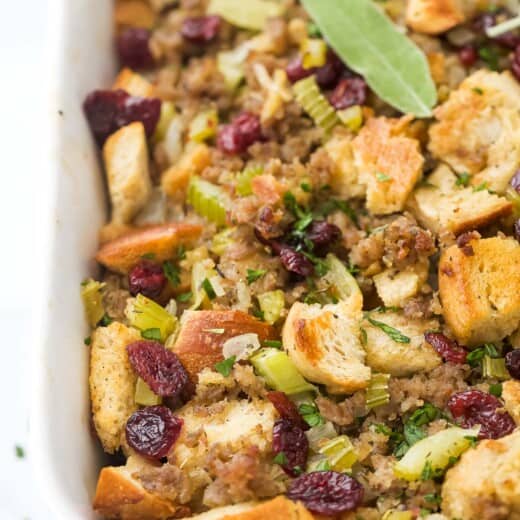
{"x":241,"y":346}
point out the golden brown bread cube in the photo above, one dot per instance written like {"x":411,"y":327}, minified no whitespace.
{"x":433,"y":16}
{"x":485,"y":482}
{"x":511,"y":397}
{"x":133,"y":83}
{"x":133,"y":13}
{"x":199,"y":346}
{"x":479,"y":289}
{"x":112,"y":382}
{"x":121,"y":254}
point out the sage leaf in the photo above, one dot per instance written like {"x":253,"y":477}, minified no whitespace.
{"x":370,"y":44}
{"x":392,"y":333}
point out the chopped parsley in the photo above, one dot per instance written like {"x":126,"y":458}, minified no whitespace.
{"x":425,"y":414}
{"x":392,"y":333}
{"x":412,"y":433}
{"x":19,"y":451}
{"x":382,"y":177}
{"x":105,"y":321}
{"x":478,"y":91}
{"x":185,"y":297}
{"x":489,"y":56}
{"x":476,"y":356}
{"x":496,"y":389}
{"x":208,"y":288}
{"x":224,"y":367}
{"x":481,"y":187}
{"x":254,"y":274}
{"x":463,"y":179}
{"x":87,"y":340}
{"x":306,"y":187}
{"x":432,"y":498}
{"x":310,"y":414}
{"x":323,"y":465}
{"x":273,"y":343}
{"x":152,"y":334}
{"x":172,"y":273}
{"x":280,"y":458}
{"x":332,"y":205}
{"x":313,"y":30}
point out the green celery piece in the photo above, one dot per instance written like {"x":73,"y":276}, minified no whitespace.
{"x":204,"y":126}
{"x":370,"y":44}
{"x":145,"y":314}
{"x":208,"y":200}
{"x":249,"y":14}
{"x":144,"y":395}
{"x":91,"y":294}
{"x":340,"y":453}
{"x":272,"y":304}
{"x":244,"y":178}
{"x":377,"y":391}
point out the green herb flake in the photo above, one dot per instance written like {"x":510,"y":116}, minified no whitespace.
{"x":382,"y":177}
{"x":412,"y":433}
{"x":481,"y":187}
{"x":105,"y":321}
{"x":19,"y":452}
{"x":148,"y":256}
{"x":280,"y":459}
{"x":225,"y":367}
{"x":313,"y":30}
{"x":496,"y":389}
{"x":475,"y":357}
{"x":172,"y":273}
{"x":473,"y":440}
{"x":432,"y":498}
{"x":425,"y":415}
{"x":306,"y":187}
{"x":392,"y":333}
{"x":463,"y":179}
{"x":87,"y":341}
{"x":208,"y":288}
{"x":254,"y":274}
{"x":310,"y":414}
{"x":371,"y":45}
{"x":383,"y":429}
{"x":489,"y":56}
{"x":272,"y":343}
{"x":152,"y":334}
{"x":364,"y":338}
{"x":185,"y":297}
{"x":323,"y":465}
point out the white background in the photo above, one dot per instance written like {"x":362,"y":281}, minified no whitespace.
{"x":22,"y":60}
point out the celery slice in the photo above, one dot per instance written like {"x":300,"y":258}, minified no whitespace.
{"x":91,"y":294}
{"x":310,"y":98}
{"x":320,"y":435}
{"x":204,"y":126}
{"x":495,"y":368}
{"x":250,"y":14}
{"x":144,"y":314}
{"x":272,"y":304}
{"x":339,"y":277}
{"x":231,"y":65}
{"x":351,"y":117}
{"x":438,"y":450}
{"x":279,"y":371}
{"x":221,"y":241}
{"x":314,"y":53}
{"x":340,"y":453}
{"x":167,"y":114}
{"x":243,"y":180}
{"x":208,"y":200}
{"x":377,"y":391}
{"x":144,"y":395}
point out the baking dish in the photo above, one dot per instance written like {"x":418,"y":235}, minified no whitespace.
{"x":65,"y":456}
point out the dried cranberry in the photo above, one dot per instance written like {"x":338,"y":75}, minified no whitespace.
{"x":292,"y":442}
{"x":510,"y":40}
{"x":296,"y":262}
{"x":200,"y":29}
{"x":447,"y":348}
{"x":473,"y":407}
{"x":468,"y":55}
{"x":516,"y":228}
{"x":287,"y":409}
{"x":133,"y":48}
{"x":240,"y":134}
{"x":146,"y":278}
{"x":109,"y":110}
{"x":349,"y":92}
{"x":322,"y":234}
{"x":152,"y":431}
{"x":515,"y":181}
{"x":327,"y":492}
{"x":328,"y":75}
{"x":295,"y":71}
{"x":161,"y":369}
{"x":513,"y":363}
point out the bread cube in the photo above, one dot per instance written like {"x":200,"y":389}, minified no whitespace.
{"x":133,"y":83}
{"x":433,"y":16}
{"x":511,"y":397}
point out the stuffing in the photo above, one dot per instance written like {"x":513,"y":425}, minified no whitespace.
{"x":112,"y":382}
{"x":389,"y":163}
{"x":120,"y":495}
{"x":386,"y":355}
{"x":395,"y":287}
{"x":125,"y":155}
{"x":484,"y":484}
{"x":133,"y":13}
{"x":200,"y":340}
{"x":324,"y":343}
{"x":434,"y":16}
{"x":442,"y":205}
{"x":133,"y":83}
{"x":122,"y":253}
{"x":479,"y":286}
{"x":478,"y":129}
{"x":511,"y":397}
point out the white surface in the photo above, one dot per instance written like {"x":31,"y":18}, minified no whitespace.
{"x":62,"y":452}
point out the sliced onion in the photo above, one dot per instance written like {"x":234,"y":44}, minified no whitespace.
{"x":241,"y":346}
{"x":243,"y":297}
{"x":317,"y":434}
{"x":173,"y":139}
{"x":217,"y":285}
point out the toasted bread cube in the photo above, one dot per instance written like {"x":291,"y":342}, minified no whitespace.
{"x":279,"y":508}
{"x":478,"y":129}
{"x":176,"y":178}
{"x":121,"y":254}
{"x":479,"y":292}
{"x":112,"y":382}
{"x":386,"y":355}
{"x":125,"y":155}
{"x":433,"y":16}
{"x":238,"y":424}
{"x":395,"y":287}
{"x":485,"y":481}
{"x":199,"y":346}
{"x":133,"y":13}
{"x":324,"y":344}
{"x":120,"y":495}
{"x":389,"y":163}
{"x":133,"y":83}
{"x":443,"y":206}
{"x":511,"y":397}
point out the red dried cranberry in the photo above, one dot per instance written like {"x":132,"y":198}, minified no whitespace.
{"x":240,"y":134}
{"x":328,"y":75}
{"x":287,"y":409}
{"x":133,"y":48}
{"x":292,"y":442}
{"x":447,"y":348}
{"x":468,"y":55}
{"x":200,"y":29}
{"x":146,"y":278}
{"x":322,"y":234}
{"x":349,"y":92}
{"x":515,"y":181}
{"x":473,"y":407}
{"x":296,"y":262}
{"x":327,"y":492}
{"x":109,"y":110}
{"x":513,"y":363}
{"x":152,"y":431}
{"x":509,"y":40}
{"x":295,"y":71}
{"x":161,"y":369}
{"x":516,"y":228}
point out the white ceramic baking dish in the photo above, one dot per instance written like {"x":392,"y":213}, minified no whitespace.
{"x":65,"y":454}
